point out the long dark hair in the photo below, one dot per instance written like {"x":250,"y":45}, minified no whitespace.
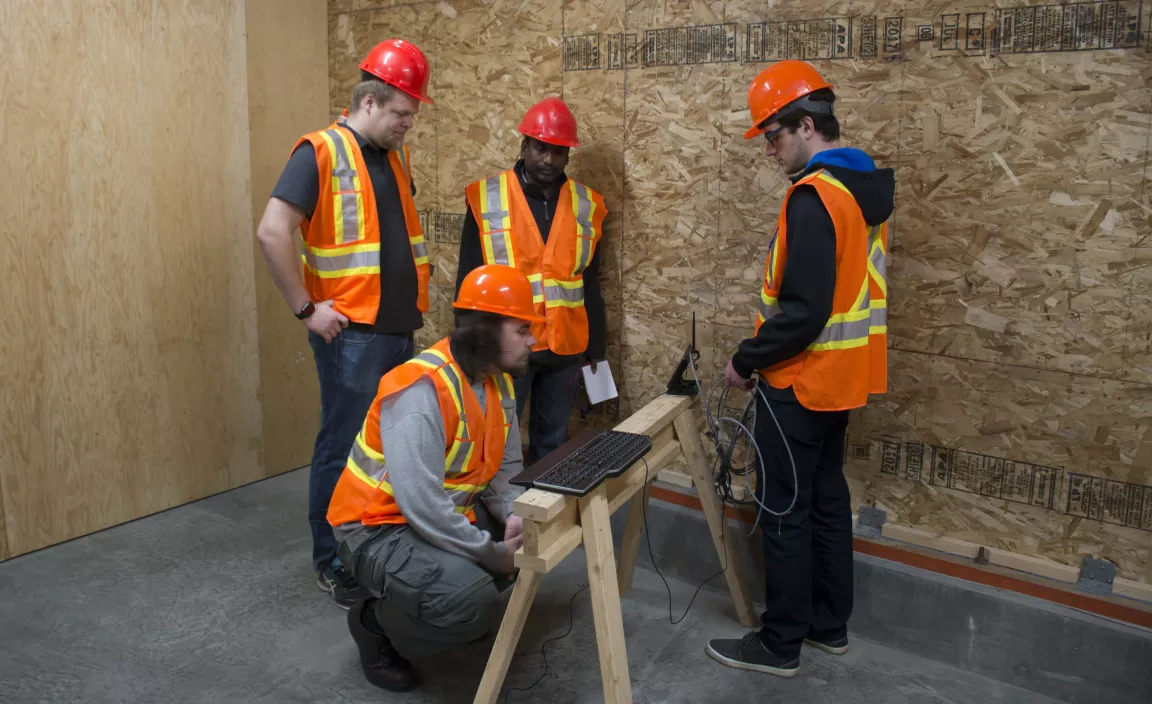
{"x":476,"y":342}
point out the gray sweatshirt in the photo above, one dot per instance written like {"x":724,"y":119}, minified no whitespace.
{"x":413,"y":439}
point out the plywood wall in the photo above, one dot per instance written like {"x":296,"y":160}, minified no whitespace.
{"x":287,"y":97}
{"x":1018,"y":324}
{"x":130,"y":366}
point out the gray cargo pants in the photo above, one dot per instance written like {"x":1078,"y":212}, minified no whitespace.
{"x":430,"y":600}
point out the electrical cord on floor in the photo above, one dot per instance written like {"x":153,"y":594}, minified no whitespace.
{"x":571,"y":620}
{"x":652,"y":556}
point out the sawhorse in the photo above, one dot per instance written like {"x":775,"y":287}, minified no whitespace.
{"x":556,"y":524}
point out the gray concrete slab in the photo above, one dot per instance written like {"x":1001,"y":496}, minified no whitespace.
{"x":215,"y":601}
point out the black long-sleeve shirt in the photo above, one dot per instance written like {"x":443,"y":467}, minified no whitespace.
{"x":543,"y":206}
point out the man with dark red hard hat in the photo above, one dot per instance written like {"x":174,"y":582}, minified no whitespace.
{"x":348,"y":188}
{"x":819,"y":349}
{"x":536,"y":219}
{"x":423,"y":509}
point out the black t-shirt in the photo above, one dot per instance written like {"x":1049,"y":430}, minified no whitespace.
{"x":299,"y":185}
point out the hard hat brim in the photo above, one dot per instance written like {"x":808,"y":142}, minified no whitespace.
{"x":532,"y":318}
{"x":554,"y":141}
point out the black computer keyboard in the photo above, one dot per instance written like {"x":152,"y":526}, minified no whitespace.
{"x":607,"y":455}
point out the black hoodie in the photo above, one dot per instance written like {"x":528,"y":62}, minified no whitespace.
{"x":809,"y":281}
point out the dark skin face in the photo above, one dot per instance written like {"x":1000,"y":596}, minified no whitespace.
{"x":543,"y":163}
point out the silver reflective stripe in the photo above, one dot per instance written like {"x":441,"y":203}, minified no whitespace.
{"x":420,"y":251}
{"x":506,"y":395}
{"x":583,"y":213}
{"x":341,"y":262}
{"x":450,"y":373}
{"x":462,"y":448}
{"x":767,"y":310}
{"x":492,"y":185}
{"x":878,"y":317}
{"x":345,"y":176}
{"x":430,"y":358}
{"x":839,"y":332}
{"x":560,"y":293}
{"x":537,"y":287}
{"x":877,"y":254}
{"x":369,"y":466}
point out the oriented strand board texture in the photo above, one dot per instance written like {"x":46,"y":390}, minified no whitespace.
{"x":130,"y":366}
{"x":287,"y":97}
{"x":1019,"y":262}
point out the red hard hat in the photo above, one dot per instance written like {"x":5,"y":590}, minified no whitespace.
{"x":495,"y":288}
{"x":550,"y":121}
{"x":401,"y":64}
{"x":777,"y":86}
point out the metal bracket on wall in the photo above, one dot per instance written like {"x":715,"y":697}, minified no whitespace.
{"x":1096,"y":576}
{"x":870,"y":521}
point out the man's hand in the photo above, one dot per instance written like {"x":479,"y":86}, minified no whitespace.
{"x":326,"y":321}
{"x":731,"y":378}
{"x":593,"y":363}
{"x":508,"y":566}
{"x":514,"y":527}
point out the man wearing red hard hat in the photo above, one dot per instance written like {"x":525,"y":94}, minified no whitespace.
{"x":348,"y":188}
{"x":533,"y":217}
{"x":423,"y":510}
{"x":819,"y":349}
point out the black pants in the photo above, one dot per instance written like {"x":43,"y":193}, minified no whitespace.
{"x":808,"y":553}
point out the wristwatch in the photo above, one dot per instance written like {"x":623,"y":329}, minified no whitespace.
{"x":306,"y":312}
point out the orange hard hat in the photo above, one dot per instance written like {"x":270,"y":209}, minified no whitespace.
{"x":550,"y":121}
{"x":778,"y":86}
{"x":495,"y":288}
{"x":401,"y":64}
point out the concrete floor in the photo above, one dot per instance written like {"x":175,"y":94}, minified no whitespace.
{"x":216,"y":602}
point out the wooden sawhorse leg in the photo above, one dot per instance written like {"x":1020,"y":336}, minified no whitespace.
{"x":689,"y":436}
{"x":594,"y":520}
{"x":523,"y":594}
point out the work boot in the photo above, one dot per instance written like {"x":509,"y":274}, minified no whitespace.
{"x":836,"y":646}
{"x":343,"y":587}
{"x":750,"y":653}
{"x":383,"y":666}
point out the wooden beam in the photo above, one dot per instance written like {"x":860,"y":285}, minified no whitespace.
{"x":606,"y":613}
{"x":630,"y":542}
{"x":689,"y":436}
{"x":926,"y":539}
{"x":512,"y":625}
{"x":538,"y":537}
{"x":1034,"y":565}
{"x":560,"y":548}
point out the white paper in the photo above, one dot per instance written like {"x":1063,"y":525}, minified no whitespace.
{"x":600,"y":385}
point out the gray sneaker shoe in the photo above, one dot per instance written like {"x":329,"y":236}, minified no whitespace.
{"x":345,"y":590}
{"x":749,"y":653}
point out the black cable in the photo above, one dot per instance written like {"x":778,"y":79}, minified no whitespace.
{"x":648,"y":539}
{"x":571,"y":620}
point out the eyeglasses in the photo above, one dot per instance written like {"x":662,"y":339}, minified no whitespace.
{"x":772,"y":136}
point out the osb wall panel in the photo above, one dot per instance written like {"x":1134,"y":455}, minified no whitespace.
{"x":1017,"y":247}
{"x":130,"y":368}
{"x":287,"y":97}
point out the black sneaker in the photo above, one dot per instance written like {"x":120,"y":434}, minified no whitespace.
{"x":836,"y":646}
{"x":345,"y":590}
{"x":750,"y":653}
{"x":383,"y":666}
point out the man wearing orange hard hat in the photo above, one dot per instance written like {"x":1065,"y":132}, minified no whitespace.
{"x":819,"y":349}
{"x":423,"y":509}
{"x":533,"y":217}
{"x":348,"y":189}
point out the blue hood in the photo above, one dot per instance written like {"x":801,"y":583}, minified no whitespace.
{"x":845,"y":157}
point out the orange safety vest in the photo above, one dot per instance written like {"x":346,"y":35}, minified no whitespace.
{"x":849,"y":360}
{"x":473,"y":450}
{"x":342,"y":238}
{"x":509,"y":236}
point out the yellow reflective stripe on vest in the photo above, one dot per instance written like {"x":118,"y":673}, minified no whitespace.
{"x":768,"y":307}
{"x":366,"y":464}
{"x":569,"y":294}
{"x":583,"y":206}
{"x":347,"y":194}
{"x":829,"y":178}
{"x":844,"y":331}
{"x":507,"y":391}
{"x":496,"y":221}
{"x":349,"y":260}
{"x":537,"y":281}
{"x":772,"y":253}
{"x":403,"y":154}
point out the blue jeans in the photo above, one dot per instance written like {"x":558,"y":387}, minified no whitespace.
{"x":349,"y":368}
{"x":551,"y":407}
